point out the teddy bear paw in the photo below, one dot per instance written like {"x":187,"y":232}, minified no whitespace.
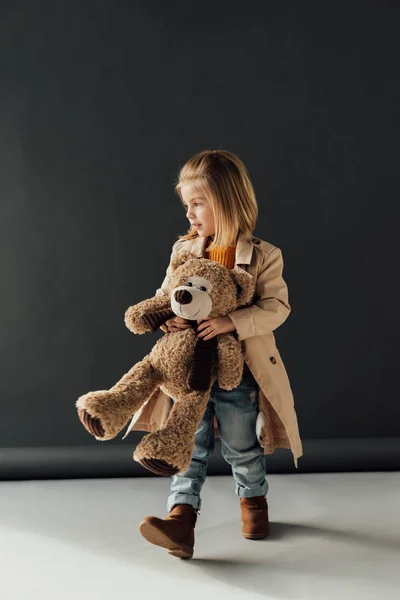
{"x":157,"y":466}
{"x":164,"y":453}
{"x":91,"y":424}
{"x":228,"y":381}
{"x":98,"y":415}
{"x":136,"y":321}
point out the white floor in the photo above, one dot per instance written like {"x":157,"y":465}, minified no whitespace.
{"x":332,"y":536}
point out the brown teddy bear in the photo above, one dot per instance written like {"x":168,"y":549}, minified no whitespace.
{"x":182,"y":366}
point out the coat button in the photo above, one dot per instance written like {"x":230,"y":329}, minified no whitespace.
{"x":273,"y":360}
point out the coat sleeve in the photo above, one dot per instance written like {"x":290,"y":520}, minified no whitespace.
{"x":272,"y":306}
{"x":163,"y":289}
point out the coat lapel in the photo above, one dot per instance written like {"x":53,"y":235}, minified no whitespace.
{"x":244,"y":249}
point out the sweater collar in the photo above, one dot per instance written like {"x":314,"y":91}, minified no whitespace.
{"x":243,"y":254}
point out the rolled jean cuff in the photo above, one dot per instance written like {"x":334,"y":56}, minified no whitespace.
{"x":173,"y":499}
{"x":259,"y":490}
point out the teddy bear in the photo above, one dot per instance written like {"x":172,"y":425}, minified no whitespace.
{"x":182,"y":365}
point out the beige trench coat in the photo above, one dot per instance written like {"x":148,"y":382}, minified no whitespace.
{"x":277,"y":425}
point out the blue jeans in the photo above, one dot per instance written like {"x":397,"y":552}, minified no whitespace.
{"x":236,"y":412}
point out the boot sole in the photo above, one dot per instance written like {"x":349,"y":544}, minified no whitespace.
{"x":255,"y":536}
{"x":155,"y":536}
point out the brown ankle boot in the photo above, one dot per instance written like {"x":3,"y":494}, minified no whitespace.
{"x":255,"y":523}
{"x":175,"y":532}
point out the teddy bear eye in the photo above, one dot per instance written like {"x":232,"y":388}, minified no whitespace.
{"x":203,"y":289}
{"x":189,"y":284}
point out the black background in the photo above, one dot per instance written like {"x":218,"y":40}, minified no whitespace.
{"x":102,"y":102}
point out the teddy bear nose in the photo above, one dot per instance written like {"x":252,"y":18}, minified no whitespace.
{"x":183,"y":296}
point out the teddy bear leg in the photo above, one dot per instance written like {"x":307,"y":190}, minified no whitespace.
{"x":169,"y":450}
{"x":230,"y":362}
{"x":105,"y":412}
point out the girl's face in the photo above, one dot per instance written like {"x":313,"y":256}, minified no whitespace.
{"x":198,"y":211}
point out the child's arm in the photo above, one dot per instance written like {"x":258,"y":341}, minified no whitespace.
{"x":272,"y":307}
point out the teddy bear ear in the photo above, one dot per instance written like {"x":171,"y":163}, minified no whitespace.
{"x":245,"y":283}
{"x":180,"y":258}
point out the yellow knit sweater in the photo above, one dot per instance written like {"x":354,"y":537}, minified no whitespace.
{"x":222,"y":254}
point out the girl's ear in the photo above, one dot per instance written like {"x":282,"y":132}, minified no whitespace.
{"x":245,"y":284}
{"x":180,"y":259}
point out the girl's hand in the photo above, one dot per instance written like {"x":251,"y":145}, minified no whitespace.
{"x":211,"y":327}
{"x":175,"y":324}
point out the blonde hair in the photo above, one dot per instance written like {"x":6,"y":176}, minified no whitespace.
{"x":222,"y":179}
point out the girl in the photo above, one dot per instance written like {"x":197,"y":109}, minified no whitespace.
{"x":221,"y":207}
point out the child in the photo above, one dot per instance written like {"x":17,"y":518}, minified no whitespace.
{"x":221,"y":207}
